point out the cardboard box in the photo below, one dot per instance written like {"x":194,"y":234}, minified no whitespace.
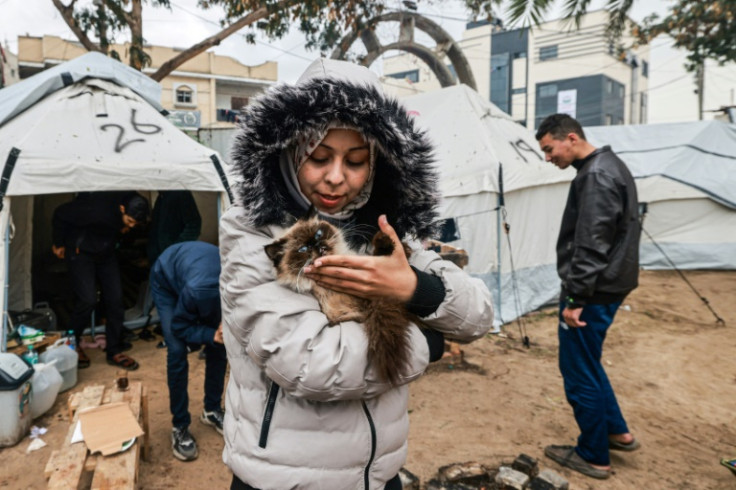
{"x":107,"y":428}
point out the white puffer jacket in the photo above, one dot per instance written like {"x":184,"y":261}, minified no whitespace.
{"x":304,"y":408}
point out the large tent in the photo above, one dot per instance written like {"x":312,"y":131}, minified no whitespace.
{"x":478,"y":148}
{"x":91,"y":124}
{"x":686,"y":173}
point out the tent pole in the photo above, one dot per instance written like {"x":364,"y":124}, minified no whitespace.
{"x":3,"y":344}
{"x":498,"y":255}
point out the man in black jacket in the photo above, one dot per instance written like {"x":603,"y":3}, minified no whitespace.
{"x":85,"y":233}
{"x":598,"y":263}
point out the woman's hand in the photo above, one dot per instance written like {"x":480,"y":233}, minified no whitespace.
{"x":384,"y":277}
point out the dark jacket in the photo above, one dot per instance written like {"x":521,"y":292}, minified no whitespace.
{"x":190,"y":272}
{"x":91,"y":223}
{"x":598,"y":246}
{"x":175,"y":219}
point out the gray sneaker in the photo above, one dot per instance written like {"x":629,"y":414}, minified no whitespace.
{"x":183,"y":444}
{"x":214,"y":418}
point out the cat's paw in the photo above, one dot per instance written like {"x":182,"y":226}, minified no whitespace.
{"x":382,"y":244}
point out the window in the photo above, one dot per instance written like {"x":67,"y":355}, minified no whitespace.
{"x":411,"y":75}
{"x":547,"y":52}
{"x":643,"y":109}
{"x":644,"y":69}
{"x":609,"y":87}
{"x":237,"y":103}
{"x":548,"y":91}
{"x":608,"y":120}
{"x":521,"y":90}
{"x":500,"y":81}
{"x":620,"y":90}
{"x":519,"y":54}
{"x":184,"y":95}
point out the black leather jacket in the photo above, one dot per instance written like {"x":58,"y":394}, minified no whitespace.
{"x":598,"y":246}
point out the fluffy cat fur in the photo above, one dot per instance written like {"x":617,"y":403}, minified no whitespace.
{"x":385,"y":321}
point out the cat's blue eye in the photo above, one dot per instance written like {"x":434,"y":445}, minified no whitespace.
{"x":319,"y":234}
{"x":303,"y":249}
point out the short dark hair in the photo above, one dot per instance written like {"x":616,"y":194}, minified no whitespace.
{"x":559,"y":126}
{"x":136,"y":206}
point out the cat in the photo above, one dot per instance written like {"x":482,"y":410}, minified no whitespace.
{"x":386,"y":322}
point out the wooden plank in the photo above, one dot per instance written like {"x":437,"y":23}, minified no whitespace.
{"x":68,"y":462}
{"x":146,"y":447}
{"x":120,"y":471}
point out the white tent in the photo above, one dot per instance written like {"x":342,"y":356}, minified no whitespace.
{"x":686,"y":173}
{"x":476,"y":141}
{"x":91,"y":124}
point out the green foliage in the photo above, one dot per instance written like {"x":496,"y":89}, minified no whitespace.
{"x":106,"y":19}
{"x":533,"y":12}
{"x":706,"y":29}
{"x":323,"y":22}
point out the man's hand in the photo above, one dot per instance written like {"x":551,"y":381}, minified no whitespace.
{"x":218,"y":335}
{"x":572,"y":317}
{"x":386,"y":277}
{"x":58,"y":251}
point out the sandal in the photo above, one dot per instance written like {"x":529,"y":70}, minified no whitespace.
{"x":82,"y":359}
{"x":623,"y":446}
{"x":567,"y":456}
{"x":123,"y":361}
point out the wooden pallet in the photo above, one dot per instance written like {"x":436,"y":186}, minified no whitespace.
{"x":72,"y":467}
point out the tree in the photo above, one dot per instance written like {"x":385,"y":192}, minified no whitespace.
{"x":532,"y":12}
{"x":322,"y":21}
{"x":706,"y":29}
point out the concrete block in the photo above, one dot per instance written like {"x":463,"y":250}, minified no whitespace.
{"x":510,"y":479}
{"x":549,"y":480}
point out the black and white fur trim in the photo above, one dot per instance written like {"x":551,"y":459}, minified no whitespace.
{"x":405,"y":188}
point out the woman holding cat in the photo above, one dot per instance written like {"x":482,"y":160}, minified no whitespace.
{"x":305,"y":407}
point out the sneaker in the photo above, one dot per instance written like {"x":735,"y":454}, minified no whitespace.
{"x":214,"y":418}
{"x":183,"y":444}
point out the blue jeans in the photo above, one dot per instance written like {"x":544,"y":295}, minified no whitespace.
{"x":586,"y":385}
{"x":177,"y":364}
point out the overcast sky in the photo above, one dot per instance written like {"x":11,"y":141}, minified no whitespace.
{"x":185,"y":24}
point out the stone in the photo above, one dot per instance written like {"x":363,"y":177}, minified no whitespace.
{"x":469,"y":473}
{"x":510,"y":479}
{"x":526,"y":464}
{"x":409,"y":481}
{"x":548,"y":480}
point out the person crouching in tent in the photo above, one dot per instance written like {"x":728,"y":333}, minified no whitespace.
{"x":85,"y":234}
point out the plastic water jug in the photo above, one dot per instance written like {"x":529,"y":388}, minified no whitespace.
{"x":15,"y":398}
{"x":66,"y":362}
{"x":46,"y":384}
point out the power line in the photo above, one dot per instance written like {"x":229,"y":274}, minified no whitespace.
{"x":284,"y":51}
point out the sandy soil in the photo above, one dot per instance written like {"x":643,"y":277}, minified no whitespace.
{"x":672,"y":367}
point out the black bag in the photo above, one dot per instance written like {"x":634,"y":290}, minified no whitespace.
{"x":41,"y":317}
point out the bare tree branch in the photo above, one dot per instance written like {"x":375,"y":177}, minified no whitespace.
{"x":67,"y":12}
{"x":215,"y":39}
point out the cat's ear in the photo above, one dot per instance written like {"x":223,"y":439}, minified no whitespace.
{"x":275,"y":251}
{"x":312,"y":212}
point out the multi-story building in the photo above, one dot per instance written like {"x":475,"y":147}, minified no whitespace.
{"x":8,"y":67}
{"x":206,"y":91}
{"x":533,"y":72}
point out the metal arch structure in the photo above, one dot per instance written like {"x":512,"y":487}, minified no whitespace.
{"x":409,"y":22}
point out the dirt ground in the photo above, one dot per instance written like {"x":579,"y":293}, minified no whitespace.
{"x":673,"y":369}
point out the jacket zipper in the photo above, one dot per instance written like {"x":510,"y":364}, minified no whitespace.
{"x":373,"y":445}
{"x":268,"y":416}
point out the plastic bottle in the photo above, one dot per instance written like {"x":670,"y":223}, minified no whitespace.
{"x":31,"y":355}
{"x":71,"y":340}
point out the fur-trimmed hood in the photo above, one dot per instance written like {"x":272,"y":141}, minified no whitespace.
{"x":405,"y":186}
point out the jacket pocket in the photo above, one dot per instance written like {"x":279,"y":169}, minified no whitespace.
{"x":268,"y":415}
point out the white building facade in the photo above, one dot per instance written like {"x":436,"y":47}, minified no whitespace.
{"x":553,"y":67}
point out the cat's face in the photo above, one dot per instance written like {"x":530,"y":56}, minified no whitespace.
{"x":302,"y":244}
